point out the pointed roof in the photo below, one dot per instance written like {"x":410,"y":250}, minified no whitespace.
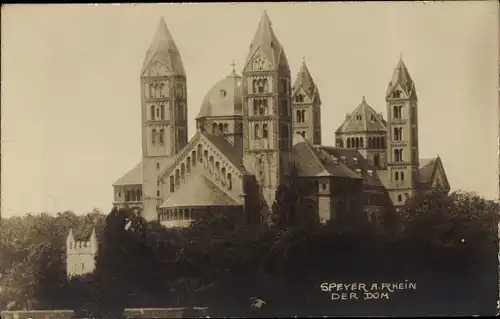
{"x":312,"y":161}
{"x":402,"y":77}
{"x":163,"y":49}
{"x":266,"y":41}
{"x":428,"y":170}
{"x":305,"y":81}
{"x":198,"y":191}
{"x":370,"y":120}
{"x":132,"y":177}
{"x":70,"y":234}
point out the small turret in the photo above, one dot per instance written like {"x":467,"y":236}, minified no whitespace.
{"x":93,"y":242}
{"x":70,"y":239}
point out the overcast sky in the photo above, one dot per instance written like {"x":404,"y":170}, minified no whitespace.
{"x":70,"y":83}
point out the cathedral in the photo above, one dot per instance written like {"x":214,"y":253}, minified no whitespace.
{"x":255,"y":131}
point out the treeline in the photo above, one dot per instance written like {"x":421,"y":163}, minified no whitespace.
{"x":446,"y":243}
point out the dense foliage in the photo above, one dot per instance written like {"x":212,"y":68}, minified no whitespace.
{"x":446,"y":243}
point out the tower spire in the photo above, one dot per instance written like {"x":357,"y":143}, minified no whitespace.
{"x":164,"y":50}
{"x":265,"y":40}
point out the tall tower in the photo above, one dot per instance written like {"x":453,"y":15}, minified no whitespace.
{"x":306,"y":105}
{"x":164,"y":112}
{"x":267,"y":121}
{"x":402,"y":126}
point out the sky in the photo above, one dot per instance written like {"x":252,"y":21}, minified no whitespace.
{"x":70,"y":83}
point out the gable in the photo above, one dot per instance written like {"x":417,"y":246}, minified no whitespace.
{"x":300,"y":91}
{"x":198,"y":191}
{"x":259,"y":62}
{"x":395,"y":88}
{"x":156,"y":68}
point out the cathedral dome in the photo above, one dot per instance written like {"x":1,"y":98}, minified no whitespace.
{"x":224,"y":99}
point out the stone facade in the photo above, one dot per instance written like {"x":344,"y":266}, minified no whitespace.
{"x":254,"y":130}
{"x":80,"y":255}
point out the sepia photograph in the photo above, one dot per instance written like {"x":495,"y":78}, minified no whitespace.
{"x":250,"y":160}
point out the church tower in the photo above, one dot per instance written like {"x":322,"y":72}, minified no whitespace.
{"x":267,"y":121}
{"x":164,"y":112}
{"x":402,"y":127}
{"x":306,"y":105}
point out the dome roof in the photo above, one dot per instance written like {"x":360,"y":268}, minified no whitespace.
{"x":224,"y":99}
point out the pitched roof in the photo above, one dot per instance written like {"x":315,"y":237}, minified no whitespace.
{"x":356,"y":163}
{"x":225,"y":147}
{"x":266,"y":41}
{"x":401,"y":77}
{"x":370,"y":120}
{"x":428,"y":169}
{"x":164,"y":50}
{"x":132,"y":177}
{"x":135,"y":177}
{"x":305,"y":81}
{"x":312,"y":161}
{"x":198,"y":191}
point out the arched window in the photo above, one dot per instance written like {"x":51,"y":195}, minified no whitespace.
{"x":402,"y":176}
{"x":193,"y":158}
{"x":183,"y":171}
{"x":221,"y":128}
{"x":396,"y":155}
{"x":400,"y":155}
{"x":264,"y":130}
{"x":153,"y":136}
{"x":362,"y":142}
{"x":214,"y":128}
{"x":199,"y":153}
{"x":400,"y":198}
{"x":127,"y":196}
{"x":172,"y":184}
{"x":396,"y":176}
{"x":157,"y":113}
{"x":303,"y":116}
{"x":400,"y":133}
{"x":357,"y":142}
{"x":297,"y":115}
{"x":256,"y":131}
{"x":157,"y":166}
{"x":395,"y":111}
{"x":217,"y":170}
{"x":140,"y":194}
{"x":223,"y":176}
{"x":205,"y":156}
{"x":162,"y":112}
{"x":211,"y":166}
{"x":229,"y":181}
{"x":396,"y":134}
{"x":188,"y":165}
{"x":261,"y":85}
{"x":152,"y":112}
{"x":162,"y":133}
{"x":226,"y":128}
{"x":177,"y":178}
